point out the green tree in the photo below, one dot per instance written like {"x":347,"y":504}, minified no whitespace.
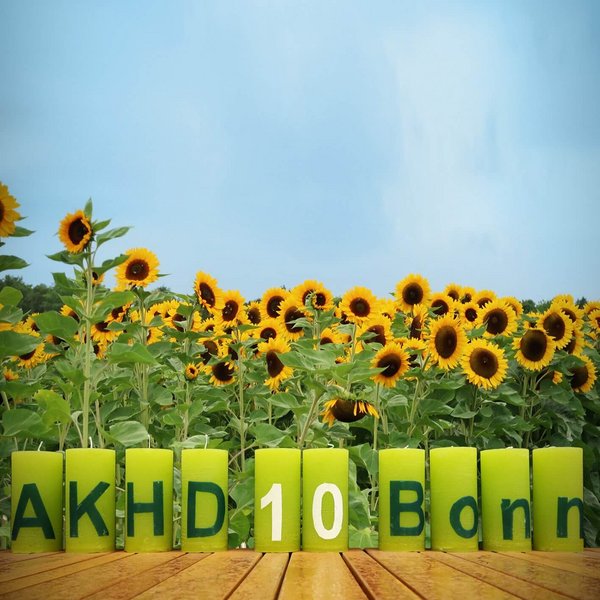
{"x":36,"y":298}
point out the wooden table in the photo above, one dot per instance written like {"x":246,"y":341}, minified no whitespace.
{"x":247,"y":575}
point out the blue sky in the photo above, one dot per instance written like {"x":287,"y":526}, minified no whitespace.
{"x":350,"y":142}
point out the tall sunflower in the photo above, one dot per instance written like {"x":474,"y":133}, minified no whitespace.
{"x":377,"y":329}
{"x":276,"y":370}
{"x":291,"y":310}
{"x":253,"y":313}
{"x":497,"y":317}
{"x":484,"y":364}
{"x":412,"y":290}
{"x":583,"y":377}
{"x":558,"y":326}
{"x":8,"y":212}
{"x":321,"y":297}
{"x":441,"y":304}
{"x":454,"y":291}
{"x":446,"y":341}
{"x":140,"y":269}
{"x":394,"y":361}
{"x":207,"y":290}
{"x":231,"y":310}
{"x":75,"y":232}
{"x":359,"y":304}
{"x":535,"y":349}
{"x":270,"y":303}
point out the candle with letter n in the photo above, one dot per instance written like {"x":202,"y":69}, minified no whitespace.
{"x":454,"y":511}
{"x":277,"y":500}
{"x":558,"y":499}
{"x":204,"y":493}
{"x":148,"y":500}
{"x":401,"y":499}
{"x":90,"y":500}
{"x":505,"y":505}
{"x":36,"y":501}
{"x":325,"y":499}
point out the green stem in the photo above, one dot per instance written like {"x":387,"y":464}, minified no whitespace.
{"x":413,"y":409}
{"x":242,"y":428}
{"x":5,"y":399}
{"x":88,"y":349}
{"x":309,"y":419}
{"x":375,"y":419}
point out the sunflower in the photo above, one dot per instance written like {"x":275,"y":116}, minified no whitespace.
{"x":484,"y":364}
{"x":347,"y":411}
{"x":75,"y":232}
{"x":253,"y":313}
{"x":570,"y":309}
{"x":535,"y":349}
{"x":230,"y":312}
{"x":140,"y":269}
{"x":577,"y":343}
{"x":191,"y":372}
{"x":583,"y":378}
{"x":211,"y":348}
{"x":118,"y":313}
{"x":321,"y":297}
{"x":412,"y":290}
{"x":441,"y":304}
{"x":176,"y":316}
{"x":497,"y":317}
{"x":417,"y":321}
{"x":32,"y":358}
{"x":10,"y":375}
{"x":594,"y":320}
{"x":359,"y":304}
{"x":276,"y":370}
{"x":388,"y":308}
{"x":591,"y":306}
{"x":268,"y":328}
{"x":8,"y":212}
{"x":467,"y":294}
{"x":330,"y":336}
{"x":468,"y":313}
{"x":207,"y":290}
{"x":394,"y":361}
{"x":454,"y":291}
{"x":204,"y":326}
{"x":514,"y":304}
{"x":153,"y":333}
{"x":102,"y":334}
{"x":557,"y":377}
{"x":221,"y":373}
{"x":270,"y":303}
{"x":446,"y":342}
{"x":378,"y":330}
{"x":291,"y":310}
{"x":558,"y":326}
{"x":416,"y":350}
{"x":483,"y":297}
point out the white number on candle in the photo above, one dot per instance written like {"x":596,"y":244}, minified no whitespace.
{"x":274,"y":498}
{"x":338,"y":511}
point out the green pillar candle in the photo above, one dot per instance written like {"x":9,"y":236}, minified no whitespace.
{"x":325,"y":499}
{"x":204,"y":494}
{"x":277,"y":500}
{"x":36,"y":501}
{"x":558,"y":499}
{"x":148,"y":500}
{"x":505,"y":500}
{"x":454,"y":511}
{"x":402,"y":499}
{"x":90,"y":500}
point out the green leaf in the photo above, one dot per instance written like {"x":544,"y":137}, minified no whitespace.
{"x":125,"y":354}
{"x":88,"y":208}
{"x":67,"y":257}
{"x":110,"y":263}
{"x":21,"y":232}
{"x":111,"y":234}
{"x":54,"y":323}
{"x":17,"y":344}
{"x":54,"y":406}
{"x":270,"y":436}
{"x":8,"y":262}
{"x":9,"y":296}
{"x":113,"y":300}
{"x":21,"y":422}
{"x":129,"y":433}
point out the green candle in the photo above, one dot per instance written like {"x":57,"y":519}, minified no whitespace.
{"x":148,"y":500}
{"x":454,"y":511}
{"x":325,"y":499}
{"x":90,"y":500}
{"x":401,"y":499}
{"x":277,"y":500}
{"x":558,"y":499}
{"x":505,"y":500}
{"x":36,"y":501}
{"x":204,"y":494}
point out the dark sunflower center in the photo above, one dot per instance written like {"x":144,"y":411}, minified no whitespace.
{"x":117,"y":313}
{"x":273,"y":305}
{"x":207,"y":294}
{"x":274,"y":365}
{"x":73,"y":315}
{"x":77,"y":231}
{"x":453,"y":294}
{"x":27,"y":356}
{"x":177,"y":318}
{"x":471,"y":315}
{"x":415,"y":328}
{"x":230,"y":310}
{"x":570,"y":347}
{"x":137,"y":270}
{"x":231,"y":351}
{"x":102,"y":326}
{"x":222,"y":372}
{"x":306,"y":294}
{"x":379,"y":336}
{"x":343,"y":411}
{"x":555,"y":326}
{"x":569,"y":314}
{"x":467,"y":298}
{"x":211,"y":350}
{"x":1,"y":211}
{"x":413,"y":294}
{"x":320,"y":299}
{"x":268,"y":333}
{"x":483,"y":301}
{"x":580,"y":377}
{"x":446,"y":341}
{"x":360,"y":307}
{"x":497,"y":321}
{"x":291,"y":314}
{"x":390,"y":364}
{"x":440,"y":307}
{"x":483,"y":363}
{"x":533,"y":345}
{"x":325,"y":340}
{"x":254,"y":315}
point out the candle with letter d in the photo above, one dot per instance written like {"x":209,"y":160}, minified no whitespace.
{"x":325,"y":499}
{"x":558,"y":499}
{"x":148,"y":500}
{"x":454,"y":510}
{"x":277,"y":500}
{"x":36,"y":501}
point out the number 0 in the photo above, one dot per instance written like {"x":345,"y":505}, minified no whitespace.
{"x":338,"y":511}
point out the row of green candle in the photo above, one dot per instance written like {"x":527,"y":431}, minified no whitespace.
{"x":293,"y":488}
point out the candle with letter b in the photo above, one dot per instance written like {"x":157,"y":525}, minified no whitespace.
{"x":325,"y":499}
{"x":277,"y":500}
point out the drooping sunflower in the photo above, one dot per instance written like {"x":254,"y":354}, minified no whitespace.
{"x":191,"y":371}
{"x":221,"y":373}
{"x":377,"y":330}
{"x":535,"y":349}
{"x":359,"y":304}
{"x":140,"y":269}
{"x":484,"y":364}
{"x":321,"y":297}
{"x":347,"y":411}
{"x":8,"y":212}
{"x":446,"y":341}
{"x":270,"y":303}
{"x":207,"y":290}
{"x":558,"y":326}
{"x":497,"y":317}
{"x":231,"y":310}
{"x":483,"y":297}
{"x":394,"y":361}
{"x":253,"y":313}
{"x":276,"y":370}
{"x":291,"y":310}
{"x":75,"y":232}
{"x":413,"y":289}
{"x":468,"y":313}
{"x":416,"y":321}
{"x":441,"y":304}
{"x":583,"y":377}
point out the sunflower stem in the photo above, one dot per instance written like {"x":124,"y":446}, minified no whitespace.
{"x":88,"y":349}
{"x":309,"y":419}
{"x":375,"y":419}
{"x":5,"y":399}
{"x":242,"y":427}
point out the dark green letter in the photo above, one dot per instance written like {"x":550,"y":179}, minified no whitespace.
{"x":397,"y":507}
{"x":456,"y":510}
{"x":210,"y":488}
{"x":508,"y":510}
{"x":155,"y":507}
{"x":564,"y":505}
{"x":30,"y":493}
{"x":88,"y":505}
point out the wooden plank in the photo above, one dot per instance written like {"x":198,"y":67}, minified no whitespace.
{"x":319,"y":575}
{"x":92,"y":578}
{"x":6,"y":556}
{"x":433,"y":579}
{"x":504,"y":581}
{"x":567,"y":561}
{"x":215,"y":577}
{"x":558,"y":580}
{"x":592,"y":550}
{"x":264,"y":581}
{"x":375,"y":580}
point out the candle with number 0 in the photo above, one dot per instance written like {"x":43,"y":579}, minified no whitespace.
{"x":325,"y":499}
{"x":277,"y":500}
{"x":36,"y":501}
{"x":148,"y":500}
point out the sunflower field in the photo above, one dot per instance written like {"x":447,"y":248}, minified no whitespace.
{"x":296,"y":368}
